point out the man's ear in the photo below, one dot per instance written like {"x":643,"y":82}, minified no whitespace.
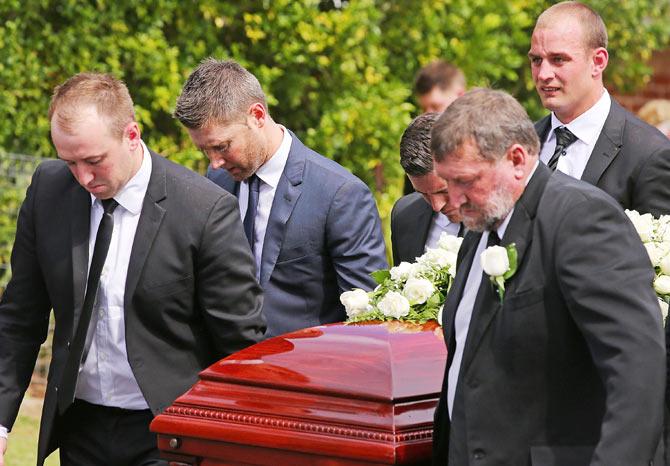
{"x":132,"y":134}
{"x":519,"y":158}
{"x":600,"y":59}
{"x":257,"y":115}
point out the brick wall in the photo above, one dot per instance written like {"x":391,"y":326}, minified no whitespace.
{"x":657,"y":88}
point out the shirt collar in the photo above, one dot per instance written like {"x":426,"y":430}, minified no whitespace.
{"x":271,"y":171}
{"x":131,"y":196}
{"x":588,"y":125}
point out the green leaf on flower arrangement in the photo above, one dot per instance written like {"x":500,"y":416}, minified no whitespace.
{"x":435,"y":300}
{"x":512,"y":255}
{"x":380,"y":276}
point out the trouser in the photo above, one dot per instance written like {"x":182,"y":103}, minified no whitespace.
{"x":94,"y":435}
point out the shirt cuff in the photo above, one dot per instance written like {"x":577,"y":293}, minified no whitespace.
{"x":3,"y":432}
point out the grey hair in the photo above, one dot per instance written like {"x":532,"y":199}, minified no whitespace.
{"x":415,"y":156}
{"x":492,"y":119}
{"x":217,"y":92}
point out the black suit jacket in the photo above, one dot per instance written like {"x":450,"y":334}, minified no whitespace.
{"x":569,"y":369}
{"x":411,"y":219}
{"x":630,"y":161}
{"x":190,"y":295}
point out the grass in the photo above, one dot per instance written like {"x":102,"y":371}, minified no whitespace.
{"x":22,"y":444}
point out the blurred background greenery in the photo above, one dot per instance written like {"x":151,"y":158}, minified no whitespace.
{"x":337,"y":73}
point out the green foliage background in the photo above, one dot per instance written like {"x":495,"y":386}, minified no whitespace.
{"x":339,"y":75}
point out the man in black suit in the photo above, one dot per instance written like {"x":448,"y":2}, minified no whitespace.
{"x":148,"y":273}
{"x":418,"y":219}
{"x":600,"y":142}
{"x":566,"y":365}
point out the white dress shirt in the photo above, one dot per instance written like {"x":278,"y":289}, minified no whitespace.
{"x":467,"y":304}
{"x":587,"y":128}
{"x":440,"y":224}
{"x":269,"y":173}
{"x":105,"y":377}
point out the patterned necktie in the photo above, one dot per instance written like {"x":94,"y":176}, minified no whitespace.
{"x":252,"y":208}
{"x":563,"y":140}
{"x":102,"y":239}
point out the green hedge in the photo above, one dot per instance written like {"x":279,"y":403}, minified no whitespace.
{"x":339,"y":75}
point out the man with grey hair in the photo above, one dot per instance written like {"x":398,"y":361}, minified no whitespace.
{"x":565,"y":341}
{"x":418,"y":219}
{"x":588,"y":135}
{"x":312,"y":226}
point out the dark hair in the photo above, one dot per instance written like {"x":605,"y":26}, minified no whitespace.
{"x":415,"y":156}
{"x":438,"y":73}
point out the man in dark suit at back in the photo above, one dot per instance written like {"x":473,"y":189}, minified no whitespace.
{"x":148,"y":273}
{"x":313,"y":227}
{"x":565,"y":363}
{"x":418,"y":219}
{"x":588,"y":135}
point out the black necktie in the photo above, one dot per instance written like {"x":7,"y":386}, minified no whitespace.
{"x":493,"y":239}
{"x":563,"y":139}
{"x":71,"y":371}
{"x":252,"y":208}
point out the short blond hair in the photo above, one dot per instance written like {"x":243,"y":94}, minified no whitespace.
{"x":108,"y":95}
{"x":593,"y":26}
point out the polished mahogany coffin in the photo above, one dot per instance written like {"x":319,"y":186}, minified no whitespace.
{"x":358,"y":394}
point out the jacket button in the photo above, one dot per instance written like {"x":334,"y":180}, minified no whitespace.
{"x":474,"y":383}
{"x":479,"y":454}
{"x":68,"y":345}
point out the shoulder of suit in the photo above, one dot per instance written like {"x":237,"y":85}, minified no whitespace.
{"x":181,"y":177}
{"x":566,"y":191}
{"x":645,"y":135}
{"x":322,"y":170}
{"x":408,"y":201}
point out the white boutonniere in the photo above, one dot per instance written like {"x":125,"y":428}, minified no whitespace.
{"x":499,"y":263}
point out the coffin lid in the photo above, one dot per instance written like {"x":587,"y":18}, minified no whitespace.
{"x":377,"y":361}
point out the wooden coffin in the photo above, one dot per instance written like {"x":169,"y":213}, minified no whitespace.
{"x":361,"y":394}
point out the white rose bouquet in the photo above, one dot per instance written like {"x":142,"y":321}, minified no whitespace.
{"x":655,"y":235}
{"x":412,"y":292}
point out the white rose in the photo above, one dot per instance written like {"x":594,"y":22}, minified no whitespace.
{"x":355,"y":302}
{"x":654,"y":253}
{"x":394,"y":305}
{"x":438,"y":258}
{"x":663,"y":247}
{"x":664,"y":309}
{"x":662,"y":284}
{"x":439,"y":315}
{"x":644,"y":224}
{"x":494,"y":261}
{"x":418,"y":269}
{"x":664,"y":263}
{"x":401,"y":271}
{"x":449,"y":242}
{"x":418,"y":290}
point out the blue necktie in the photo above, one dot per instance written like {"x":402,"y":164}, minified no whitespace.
{"x":252,"y":208}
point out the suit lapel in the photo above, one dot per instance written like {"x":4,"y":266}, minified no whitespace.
{"x":287,"y":194}
{"x":79,"y":234}
{"x":542,"y":128}
{"x":519,"y":232}
{"x":607,"y":146}
{"x":424,"y":220}
{"x":150,"y":220}
{"x":466,"y":256}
